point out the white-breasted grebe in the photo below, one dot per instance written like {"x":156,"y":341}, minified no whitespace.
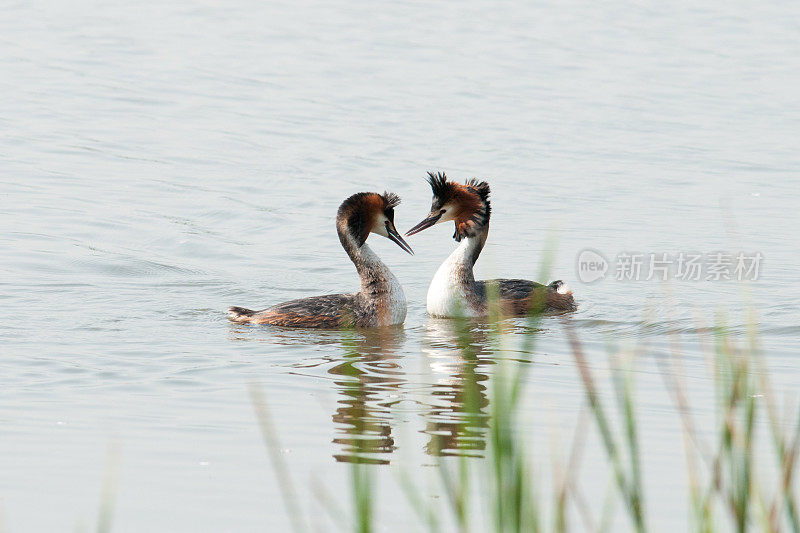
{"x":453,"y":290}
{"x":380,"y":302}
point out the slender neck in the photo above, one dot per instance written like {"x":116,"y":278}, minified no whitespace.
{"x":458,"y":267}
{"x":470,"y":248}
{"x":375,"y":275}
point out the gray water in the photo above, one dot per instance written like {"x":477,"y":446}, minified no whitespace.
{"x":161,"y":162}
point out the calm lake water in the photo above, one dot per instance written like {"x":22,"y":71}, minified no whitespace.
{"x":162,"y":161}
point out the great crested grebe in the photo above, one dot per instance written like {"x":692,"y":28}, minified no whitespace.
{"x":453,"y":290}
{"x":380,"y":302}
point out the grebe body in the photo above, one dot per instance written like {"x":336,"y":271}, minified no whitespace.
{"x":380,"y":302}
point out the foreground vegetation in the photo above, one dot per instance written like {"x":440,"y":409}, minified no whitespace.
{"x":730,"y":489}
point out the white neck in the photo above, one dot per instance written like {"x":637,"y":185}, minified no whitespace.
{"x":451,"y":286}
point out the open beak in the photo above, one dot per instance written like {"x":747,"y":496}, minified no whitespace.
{"x":432,"y":219}
{"x":395,"y":236}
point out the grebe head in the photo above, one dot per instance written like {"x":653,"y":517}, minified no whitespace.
{"x":466,"y":205}
{"x":369,"y":212}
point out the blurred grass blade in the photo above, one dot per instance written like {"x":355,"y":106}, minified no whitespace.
{"x":108,"y":490}
{"x":272,"y":445}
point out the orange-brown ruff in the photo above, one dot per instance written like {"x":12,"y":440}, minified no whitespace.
{"x":380,"y":302}
{"x":453,"y":290}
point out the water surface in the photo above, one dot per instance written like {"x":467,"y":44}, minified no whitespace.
{"x":162,"y":162}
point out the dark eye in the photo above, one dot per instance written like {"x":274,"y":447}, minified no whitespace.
{"x":389,"y":214}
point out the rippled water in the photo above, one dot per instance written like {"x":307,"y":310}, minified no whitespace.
{"x":163,"y":161}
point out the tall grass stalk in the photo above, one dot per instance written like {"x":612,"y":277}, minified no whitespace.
{"x":270,"y":439}
{"x":108,"y":490}
{"x":628,"y":481}
{"x":362,"y":479}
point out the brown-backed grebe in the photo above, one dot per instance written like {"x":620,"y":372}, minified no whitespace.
{"x":453,"y":290}
{"x":380,"y":302}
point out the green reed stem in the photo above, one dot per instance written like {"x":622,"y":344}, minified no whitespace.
{"x":627,"y":489}
{"x":270,"y":438}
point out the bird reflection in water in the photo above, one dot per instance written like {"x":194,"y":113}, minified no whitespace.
{"x":368,"y":380}
{"x":456,"y":421}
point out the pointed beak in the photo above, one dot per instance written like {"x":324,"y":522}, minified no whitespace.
{"x":432,"y":219}
{"x":395,"y":236}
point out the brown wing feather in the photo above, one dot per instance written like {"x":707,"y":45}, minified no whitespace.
{"x":519,"y":296}
{"x":328,"y":311}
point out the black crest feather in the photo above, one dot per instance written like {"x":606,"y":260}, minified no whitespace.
{"x":390,"y":200}
{"x":480,"y":187}
{"x":439,"y":185}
